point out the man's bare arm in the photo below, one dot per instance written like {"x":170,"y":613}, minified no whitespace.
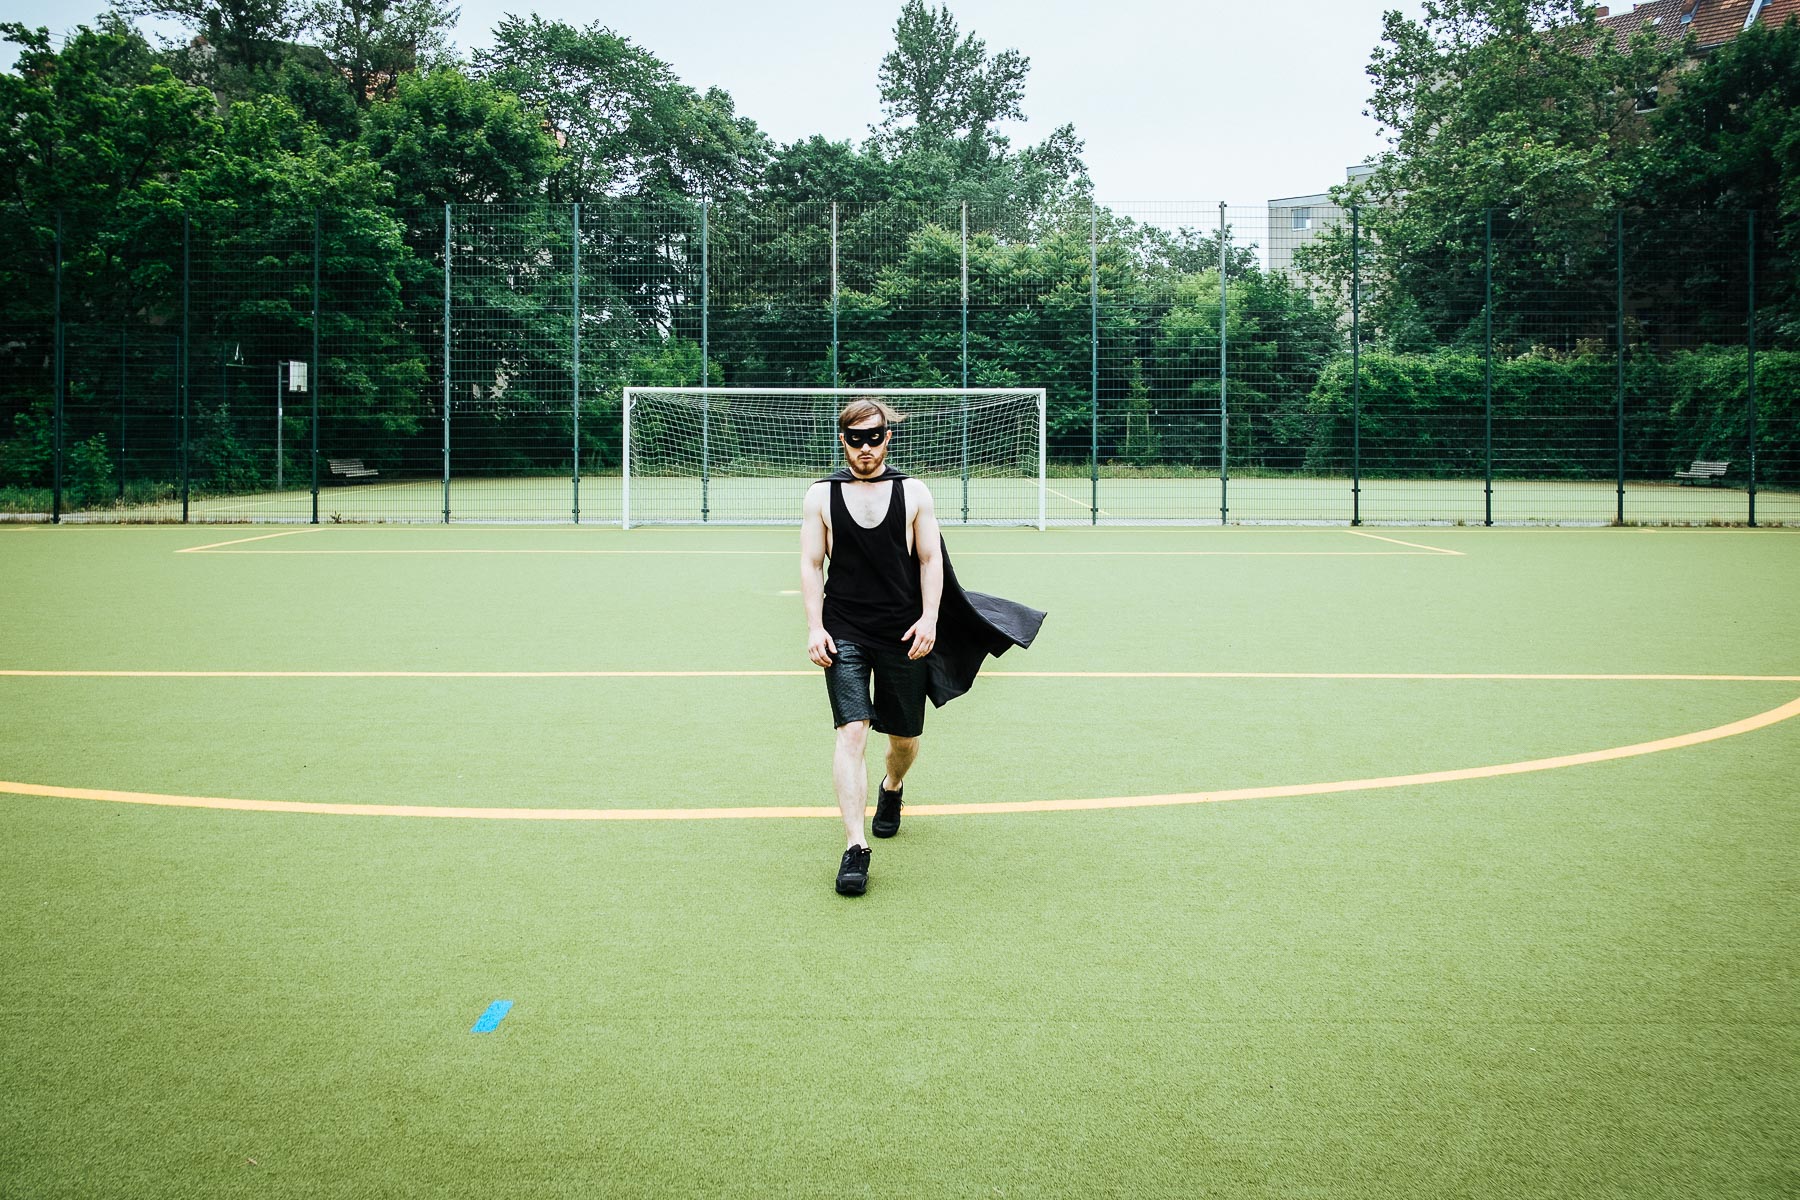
{"x":930,"y":548}
{"x":819,"y":646}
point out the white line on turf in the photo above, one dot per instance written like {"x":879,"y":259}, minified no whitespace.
{"x":241,"y":541}
{"x":1075,"y":502}
{"x":1398,"y":542}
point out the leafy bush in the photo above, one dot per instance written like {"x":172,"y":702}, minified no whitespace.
{"x":88,"y":474}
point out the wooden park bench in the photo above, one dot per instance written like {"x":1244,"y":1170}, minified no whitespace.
{"x":1712,"y":472}
{"x":350,"y":470}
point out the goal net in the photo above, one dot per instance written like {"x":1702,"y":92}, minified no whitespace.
{"x":746,"y":455}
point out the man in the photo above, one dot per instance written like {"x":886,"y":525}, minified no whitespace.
{"x":877,"y":621}
{"x":874,"y":626}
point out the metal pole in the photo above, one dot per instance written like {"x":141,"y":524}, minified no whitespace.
{"x":705,"y":374}
{"x":1093,"y":364}
{"x":56,"y":350}
{"x":446,"y":364}
{"x":1355,"y":368}
{"x":278,"y":416}
{"x":314,"y":381}
{"x":124,"y":358}
{"x":1043,"y":408}
{"x":1750,"y":343}
{"x":834,"y":295}
{"x":625,"y":460}
{"x":1487,"y":393}
{"x":1224,"y":403}
{"x":1619,"y":381}
{"x":187,"y":358}
{"x":965,"y":362}
{"x":575,"y":399}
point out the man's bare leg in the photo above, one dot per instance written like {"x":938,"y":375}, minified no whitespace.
{"x":850,"y":775}
{"x":901,"y":753}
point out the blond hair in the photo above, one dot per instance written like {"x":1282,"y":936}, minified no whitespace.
{"x":864,"y":407}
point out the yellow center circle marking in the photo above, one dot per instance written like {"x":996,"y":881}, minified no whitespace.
{"x":1761,"y":720}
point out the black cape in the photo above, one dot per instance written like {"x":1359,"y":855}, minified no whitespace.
{"x":971,"y":625}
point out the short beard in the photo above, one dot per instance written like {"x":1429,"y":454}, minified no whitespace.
{"x":879,"y":464}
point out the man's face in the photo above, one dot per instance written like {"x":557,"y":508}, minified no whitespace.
{"x":866,"y":460}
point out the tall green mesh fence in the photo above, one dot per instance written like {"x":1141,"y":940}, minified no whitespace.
{"x":1286,"y":362}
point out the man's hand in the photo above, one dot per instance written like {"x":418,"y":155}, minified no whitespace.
{"x":819,"y":646}
{"x":922,"y":635}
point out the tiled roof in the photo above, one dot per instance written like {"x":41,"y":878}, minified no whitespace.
{"x":1712,"y":22}
{"x":1663,"y":16}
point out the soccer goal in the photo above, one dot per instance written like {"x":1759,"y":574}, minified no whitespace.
{"x":744,"y":456}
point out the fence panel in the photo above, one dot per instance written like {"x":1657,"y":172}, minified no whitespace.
{"x":1290,"y":362}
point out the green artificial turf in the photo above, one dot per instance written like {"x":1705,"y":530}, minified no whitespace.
{"x":1580,"y":982}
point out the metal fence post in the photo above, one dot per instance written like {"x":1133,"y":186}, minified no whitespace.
{"x":1750,"y":346}
{"x":1355,"y":368}
{"x":1619,"y":270}
{"x":316,"y":381}
{"x":1487,"y":387}
{"x":1094,"y":363}
{"x":56,"y":413}
{"x":834,"y":295}
{"x":964,"y":208}
{"x":1224,"y":403}
{"x":187,"y":359}
{"x":575,"y":340}
{"x":124,"y":368}
{"x":705,"y":374}
{"x":446,"y":364}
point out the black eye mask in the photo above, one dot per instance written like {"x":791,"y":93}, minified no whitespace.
{"x":858,"y":438}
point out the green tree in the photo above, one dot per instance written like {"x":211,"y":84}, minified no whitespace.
{"x":239,"y":35}
{"x":1522,"y":107}
{"x":253,"y":299}
{"x":101,"y":135}
{"x":1727,"y":142}
{"x":372,"y":43}
{"x":944,"y":98}
{"x":447,"y":139}
{"x":626,"y":124}
{"x":939,"y":85}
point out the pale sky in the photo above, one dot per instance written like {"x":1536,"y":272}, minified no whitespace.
{"x":1201,"y":101}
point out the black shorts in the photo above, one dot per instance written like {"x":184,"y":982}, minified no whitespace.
{"x":898,"y":704}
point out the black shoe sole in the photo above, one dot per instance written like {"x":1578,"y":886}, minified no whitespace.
{"x":854,"y":885}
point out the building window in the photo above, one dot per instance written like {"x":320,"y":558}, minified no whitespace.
{"x":1302,"y":218}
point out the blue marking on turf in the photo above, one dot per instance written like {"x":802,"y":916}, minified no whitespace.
{"x":490,"y":1020}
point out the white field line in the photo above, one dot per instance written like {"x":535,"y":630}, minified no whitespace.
{"x":1077,"y":503}
{"x":1398,"y":542}
{"x":214,"y":546}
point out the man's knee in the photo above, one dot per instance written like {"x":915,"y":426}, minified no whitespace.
{"x":906,"y":746}
{"x":853,"y":735}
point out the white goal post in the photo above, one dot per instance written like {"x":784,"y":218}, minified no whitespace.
{"x":744,"y":456}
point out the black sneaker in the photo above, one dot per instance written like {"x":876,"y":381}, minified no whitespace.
{"x":887,"y":811}
{"x":853,"y":872}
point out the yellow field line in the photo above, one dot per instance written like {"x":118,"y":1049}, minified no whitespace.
{"x":1398,"y":542}
{"x":262,"y":537}
{"x":1500,"y":676}
{"x":1428,"y":551}
{"x":1679,"y":741}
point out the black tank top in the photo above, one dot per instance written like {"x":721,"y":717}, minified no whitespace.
{"x":872,"y":594}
